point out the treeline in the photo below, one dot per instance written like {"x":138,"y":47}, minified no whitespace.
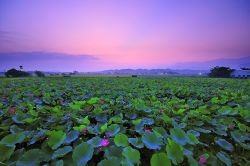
{"x":19,"y":73}
{"x":217,"y":72}
{"x":220,"y":72}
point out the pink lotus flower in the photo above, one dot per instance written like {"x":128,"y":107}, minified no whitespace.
{"x":147,"y":130}
{"x":99,"y":149}
{"x":105,"y":142}
{"x":161,"y":110}
{"x":12,"y":110}
{"x":231,"y":126}
{"x":3,"y":99}
{"x":202,"y":160}
{"x":84,"y":130}
{"x":107,"y":134}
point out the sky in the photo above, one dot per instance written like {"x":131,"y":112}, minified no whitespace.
{"x":94,"y":35}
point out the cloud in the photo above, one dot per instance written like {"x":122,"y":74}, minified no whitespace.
{"x":43,"y":56}
{"x":46,"y":60}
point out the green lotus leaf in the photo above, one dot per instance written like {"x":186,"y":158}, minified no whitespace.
{"x":59,"y":163}
{"x":166,"y":118}
{"x":6,"y":151}
{"x":113,"y":129}
{"x":136,"y":121}
{"x":205,"y":156}
{"x":93,"y":100}
{"x":113,"y":151}
{"x":56,"y":139}
{"x":245,"y":146}
{"x":239,"y":136}
{"x":198,"y":123}
{"x":137,"y":142}
{"x":79,"y":128}
{"x":160,"y":132}
{"x":174,"y":152}
{"x":115,"y":120}
{"x":187,"y":152}
{"x":192,"y":161}
{"x":113,"y":161}
{"x":160,"y":159}
{"x":104,"y":127}
{"x":132,"y":155}
{"x":151,"y":141}
{"x":121,"y":140}
{"x":84,"y":121}
{"x":224,"y":158}
{"x":61,"y":152}
{"x":196,"y":133}
{"x":101,"y":117}
{"x":13,"y":139}
{"x":179,"y":136}
{"x":220,"y":132}
{"x":215,"y":100}
{"x":82,"y":154}
{"x":192,"y":139}
{"x":201,"y":130}
{"x":243,"y":127}
{"x":226,"y":110}
{"x":75,"y":106}
{"x":180,"y":111}
{"x":224,"y":144}
{"x":95,"y":141}
{"x":30,"y":120}
{"x":139,"y":128}
{"x":71,"y":136}
{"x":139,"y":104}
{"x":57,"y":111}
{"x":147,"y":121}
{"x":20,"y":117}
{"x":32,"y":157}
{"x":16,"y":156}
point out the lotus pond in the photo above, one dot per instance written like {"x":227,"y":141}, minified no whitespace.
{"x":109,"y":121}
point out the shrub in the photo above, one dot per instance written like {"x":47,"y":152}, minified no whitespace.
{"x":223,"y":72}
{"x":39,"y":74}
{"x":16,"y":73}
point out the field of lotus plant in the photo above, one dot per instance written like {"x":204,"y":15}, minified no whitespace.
{"x":111,"y":121}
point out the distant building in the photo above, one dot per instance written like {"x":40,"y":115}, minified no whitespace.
{"x":240,"y":74}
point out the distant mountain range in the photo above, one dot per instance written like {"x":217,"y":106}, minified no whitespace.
{"x":235,"y":63}
{"x":189,"y":68}
{"x":150,"y":72}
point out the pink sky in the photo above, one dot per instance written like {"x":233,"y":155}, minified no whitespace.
{"x":124,"y":34}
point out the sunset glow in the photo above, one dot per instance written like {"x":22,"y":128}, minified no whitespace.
{"x":123,"y":34}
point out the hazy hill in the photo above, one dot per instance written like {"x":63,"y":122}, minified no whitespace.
{"x":233,"y":63}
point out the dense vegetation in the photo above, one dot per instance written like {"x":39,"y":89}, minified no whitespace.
{"x":131,"y":121}
{"x":39,"y":74}
{"x":220,"y":72}
{"x":16,"y":73}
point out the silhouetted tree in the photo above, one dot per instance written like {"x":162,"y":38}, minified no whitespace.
{"x":39,"y":74}
{"x":220,"y":71}
{"x":21,"y":67}
{"x":16,"y":73}
{"x":245,"y":68}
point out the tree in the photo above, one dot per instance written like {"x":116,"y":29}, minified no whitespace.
{"x":16,"y":73}
{"x":245,"y":68}
{"x":21,"y":67}
{"x":220,"y":71}
{"x":39,"y":74}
